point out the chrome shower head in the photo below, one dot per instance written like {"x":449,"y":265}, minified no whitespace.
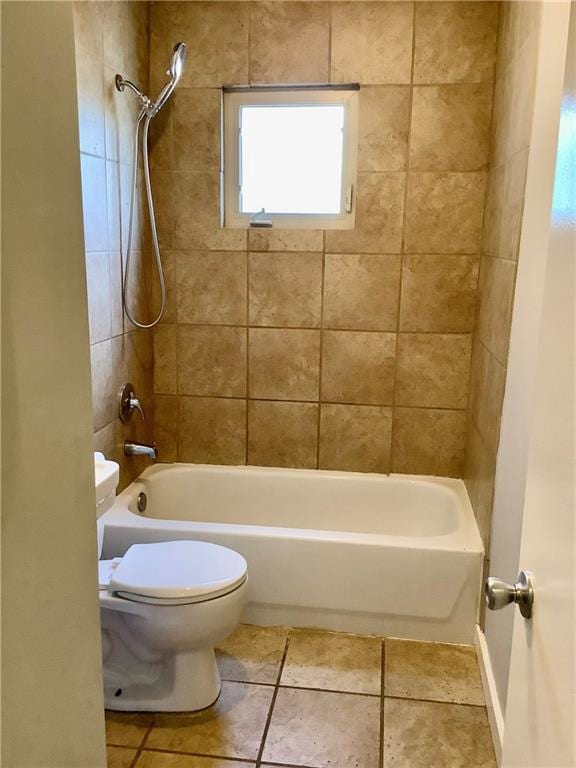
{"x":174,"y":71}
{"x":177,"y":62}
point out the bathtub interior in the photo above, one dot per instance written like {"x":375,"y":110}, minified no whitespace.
{"x":394,"y":505}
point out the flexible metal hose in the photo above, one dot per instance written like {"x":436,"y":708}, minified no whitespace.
{"x":144,"y":115}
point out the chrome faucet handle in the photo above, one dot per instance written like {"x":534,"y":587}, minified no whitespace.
{"x":134,"y":404}
{"x":129,"y":403}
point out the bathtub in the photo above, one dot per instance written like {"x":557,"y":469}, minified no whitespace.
{"x":395,"y":555}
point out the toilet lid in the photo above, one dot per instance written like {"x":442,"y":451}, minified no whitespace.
{"x":172,"y":570}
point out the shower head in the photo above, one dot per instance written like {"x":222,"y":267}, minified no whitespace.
{"x":177,"y":62}
{"x":174,"y":71}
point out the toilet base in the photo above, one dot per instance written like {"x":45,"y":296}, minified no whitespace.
{"x":184,"y":682}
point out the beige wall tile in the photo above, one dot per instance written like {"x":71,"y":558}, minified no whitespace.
{"x":94,"y":203}
{"x":450,"y":127}
{"x":196,"y":129}
{"x":217,"y":39}
{"x":211,"y":361}
{"x":165,"y":357}
{"x":164,"y":189}
{"x":282,"y":434}
{"x":438,"y":293}
{"x":304,"y":240}
{"x":436,"y":734}
{"x":358,"y":367}
{"x":132,"y":360}
{"x":197,"y":214}
{"x":284,"y":364}
{"x":90,"y":86}
{"x":211,"y":287}
{"x":384,"y":125}
{"x":323,"y":728}
{"x":103,"y":402}
{"x":113,"y":204}
{"x":379,"y":211}
{"x":169,"y":259}
{"x":98,"y":284}
{"x":513,"y":206}
{"x":355,"y":438}
{"x":479,"y":475}
{"x":289,"y":42}
{"x":371,"y":42}
{"x":487,"y":382}
{"x":212,"y":430}
{"x":444,"y":212}
{"x":116,"y":307}
{"x":161,"y":134}
{"x":361,"y":292}
{"x":285,"y":289}
{"x":88,"y":27}
{"x":496,"y":292}
{"x":455,"y":42}
{"x":428,"y":441}
{"x":166,"y":427}
{"x":433,"y":370}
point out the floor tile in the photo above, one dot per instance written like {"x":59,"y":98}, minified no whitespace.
{"x":233,"y":727}
{"x":252,"y":654}
{"x":172,"y":760}
{"x":126,"y":729}
{"x":434,"y":671}
{"x":324,"y":730}
{"x":119,"y":757}
{"x":333,"y":661}
{"x":422,"y":734}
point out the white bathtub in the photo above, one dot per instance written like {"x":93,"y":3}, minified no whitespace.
{"x":394,"y":555}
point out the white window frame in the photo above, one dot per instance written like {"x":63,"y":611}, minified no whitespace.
{"x":236,"y":98}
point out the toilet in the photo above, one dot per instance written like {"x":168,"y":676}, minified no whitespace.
{"x":163,"y":608}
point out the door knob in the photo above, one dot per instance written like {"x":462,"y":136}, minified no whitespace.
{"x":500,"y":593}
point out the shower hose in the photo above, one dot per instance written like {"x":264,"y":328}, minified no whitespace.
{"x":146,"y":117}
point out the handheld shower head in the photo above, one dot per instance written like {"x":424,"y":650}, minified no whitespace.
{"x":174,"y":71}
{"x":177,"y":62}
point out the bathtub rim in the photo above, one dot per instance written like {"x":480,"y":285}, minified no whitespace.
{"x":466,"y":538}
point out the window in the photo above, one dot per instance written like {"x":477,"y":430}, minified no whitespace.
{"x":290,"y":156}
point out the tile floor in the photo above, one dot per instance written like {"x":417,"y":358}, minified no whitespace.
{"x":316,"y":699}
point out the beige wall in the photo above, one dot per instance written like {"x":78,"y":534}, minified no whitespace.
{"x":112,"y":37}
{"x":52,"y":709}
{"x":512,"y":121}
{"x":346,"y":350}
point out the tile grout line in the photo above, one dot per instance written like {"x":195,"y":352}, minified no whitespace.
{"x":403,"y":242}
{"x":321,"y":351}
{"x":143,"y":742}
{"x":272,"y":703}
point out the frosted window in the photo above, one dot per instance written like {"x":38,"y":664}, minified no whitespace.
{"x":291,"y":159}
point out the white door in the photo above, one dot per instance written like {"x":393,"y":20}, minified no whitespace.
{"x":540,"y":719}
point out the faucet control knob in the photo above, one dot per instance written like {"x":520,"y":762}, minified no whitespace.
{"x":129,"y":403}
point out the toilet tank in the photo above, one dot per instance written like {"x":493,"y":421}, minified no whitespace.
{"x":106,"y":478}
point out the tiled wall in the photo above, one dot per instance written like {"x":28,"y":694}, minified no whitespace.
{"x":342,"y":349}
{"x":112,"y":37}
{"x":513,"y":103}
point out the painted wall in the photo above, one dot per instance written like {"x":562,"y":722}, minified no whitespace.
{"x":52,"y":708}
{"x":112,"y":37}
{"x":346,"y":350}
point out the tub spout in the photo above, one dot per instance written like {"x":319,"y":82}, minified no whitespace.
{"x":140,"y":449}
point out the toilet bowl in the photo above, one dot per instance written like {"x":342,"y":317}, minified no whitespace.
{"x":163,"y":608}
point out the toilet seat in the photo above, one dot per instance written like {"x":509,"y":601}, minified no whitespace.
{"x":177,"y":572}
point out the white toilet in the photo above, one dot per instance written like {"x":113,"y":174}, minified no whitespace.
{"x":163,"y":608}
